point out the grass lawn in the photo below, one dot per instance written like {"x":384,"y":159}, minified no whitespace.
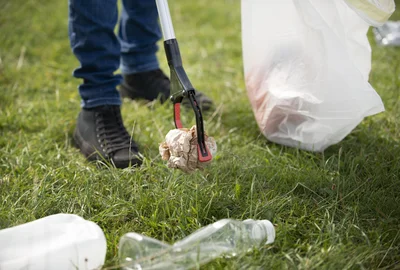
{"x":336,"y":210}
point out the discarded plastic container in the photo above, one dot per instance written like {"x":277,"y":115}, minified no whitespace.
{"x":61,"y":242}
{"x":226,"y":237}
{"x":388,"y":34}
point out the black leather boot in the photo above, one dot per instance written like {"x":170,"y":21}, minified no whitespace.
{"x":151,"y":85}
{"x":101,"y":135}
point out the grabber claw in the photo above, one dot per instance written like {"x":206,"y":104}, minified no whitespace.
{"x":181,"y":88}
{"x":180,"y":83}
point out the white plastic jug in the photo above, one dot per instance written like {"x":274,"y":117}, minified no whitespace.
{"x":61,"y":242}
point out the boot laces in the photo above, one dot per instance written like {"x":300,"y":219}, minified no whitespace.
{"x":111,"y":132}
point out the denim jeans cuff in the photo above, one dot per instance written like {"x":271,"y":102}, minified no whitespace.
{"x":87,"y":104}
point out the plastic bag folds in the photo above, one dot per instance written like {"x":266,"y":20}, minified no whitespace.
{"x":307,"y":65}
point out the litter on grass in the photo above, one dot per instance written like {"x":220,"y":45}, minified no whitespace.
{"x":388,"y":34}
{"x":180,"y":149}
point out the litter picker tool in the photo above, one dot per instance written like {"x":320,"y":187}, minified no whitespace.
{"x":181,"y":86}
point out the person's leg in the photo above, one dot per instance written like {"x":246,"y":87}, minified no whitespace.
{"x":139,"y":33}
{"x":92,"y":38}
{"x":100,"y":133}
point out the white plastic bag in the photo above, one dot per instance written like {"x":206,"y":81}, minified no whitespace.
{"x":59,"y":242}
{"x":306,"y":65}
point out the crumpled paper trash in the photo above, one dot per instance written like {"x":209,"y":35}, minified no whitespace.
{"x":180,"y":149}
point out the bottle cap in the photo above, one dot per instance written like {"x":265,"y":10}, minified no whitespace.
{"x":261,"y":230}
{"x":269,"y":229}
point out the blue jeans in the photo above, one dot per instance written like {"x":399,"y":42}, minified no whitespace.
{"x":101,"y":52}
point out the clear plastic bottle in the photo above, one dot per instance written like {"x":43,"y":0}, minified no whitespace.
{"x":225,"y":237}
{"x":388,"y":34}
